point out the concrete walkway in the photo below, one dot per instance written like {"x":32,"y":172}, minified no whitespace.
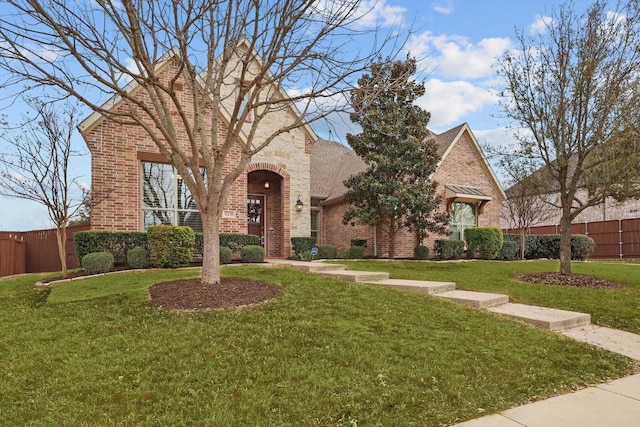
{"x":615,"y":403}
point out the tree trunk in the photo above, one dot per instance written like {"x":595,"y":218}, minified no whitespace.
{"x":61,"y":239}
{"x":565,"y":245}
{"x":211,"y":249}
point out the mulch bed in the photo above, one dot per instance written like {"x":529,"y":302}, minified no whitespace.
{"x":577,"y":280}
{"x":191,"y":294}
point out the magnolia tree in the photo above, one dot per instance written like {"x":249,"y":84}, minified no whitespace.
{"x":94,"y":50}
{"x":575,"y":88}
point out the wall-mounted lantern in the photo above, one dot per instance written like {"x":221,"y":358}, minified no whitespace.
{"x":267,"y":185}
{"x":299,"y":204}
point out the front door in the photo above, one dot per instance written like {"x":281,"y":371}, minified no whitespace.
{"x":255,"y":217}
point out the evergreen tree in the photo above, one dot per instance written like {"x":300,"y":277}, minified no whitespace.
{"x":396,"y":190}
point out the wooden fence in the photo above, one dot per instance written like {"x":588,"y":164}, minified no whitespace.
{"x":40,"y":250}
{"x":618,"y":238}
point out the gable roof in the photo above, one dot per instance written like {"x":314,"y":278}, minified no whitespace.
{"x":96,"y":117}
{"x":332,"y":163}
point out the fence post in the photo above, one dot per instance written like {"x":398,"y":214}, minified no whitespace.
{"x":620,"y":239}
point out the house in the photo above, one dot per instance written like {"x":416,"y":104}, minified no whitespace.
{"x":466,"y":183}
{"x":291,"y":188}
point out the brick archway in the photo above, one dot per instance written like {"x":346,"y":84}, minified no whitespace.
{"x":271,"y":183}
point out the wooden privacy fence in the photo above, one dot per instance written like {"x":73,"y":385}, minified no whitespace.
{"x":13,"y":255}
{"x":618,"y":238}
{"x":40,"y":250}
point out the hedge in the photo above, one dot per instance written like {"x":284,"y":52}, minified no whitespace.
{"x":448,"y":249}
{"x":235,"y":242}
{"x":171,"y":245}
{"x":355,"y":252}
{"x":138,"y":258}
{"x":327,"y":252}
{"x":510,"y":250}
{"x":117,"y":243}
{"x":548,"y":246}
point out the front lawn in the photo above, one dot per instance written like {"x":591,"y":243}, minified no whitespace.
{"x":613,"y":308}
{"x":325,"y":353}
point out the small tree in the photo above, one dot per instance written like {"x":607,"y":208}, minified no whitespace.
{"x":576,"y":89}
{"x":36,"y":166}
{"x":396,"y":190}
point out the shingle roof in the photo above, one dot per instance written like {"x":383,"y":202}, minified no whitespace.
{"x":332,"y":163}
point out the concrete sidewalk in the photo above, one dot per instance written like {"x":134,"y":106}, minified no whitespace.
{"x":615,"y":403}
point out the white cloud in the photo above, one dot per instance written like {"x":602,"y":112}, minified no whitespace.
{"x":443,"y":7}
{"x":449,"y":102}
{"x":455,"y":57}
{"x":540,"y":24}
{"x":379,"y":13}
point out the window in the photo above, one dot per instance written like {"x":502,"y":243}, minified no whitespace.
{"x":461,"y":216}
{"x":315,"y":217}
{"x":166,"y":200}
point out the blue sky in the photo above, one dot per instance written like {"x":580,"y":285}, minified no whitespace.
{"x":457,"y":43}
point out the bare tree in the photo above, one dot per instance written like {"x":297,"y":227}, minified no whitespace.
{"x":36,"y":166}
{"x":233,"y":56}
{"x":528,"y":202}
{"x":576,"y":88}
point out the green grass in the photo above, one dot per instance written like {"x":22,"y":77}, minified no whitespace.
{"x":325,"y":353}
{"x":614,"y":308}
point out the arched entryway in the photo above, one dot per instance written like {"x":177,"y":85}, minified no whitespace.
{"x":267,"y":190}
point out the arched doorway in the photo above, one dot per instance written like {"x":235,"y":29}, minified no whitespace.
{"x":266,"y":210}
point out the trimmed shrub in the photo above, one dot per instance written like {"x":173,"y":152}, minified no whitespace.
{"x":116,"y":243}
{"x":138,"y":258}
{"x":235,"y":242}
{"x":327,"y":252}
{"x":302,"y":244}
{"x":252,"y":253}
{"x":581,"y":247}
{"x":356,"y":252}
{"x":226,"y":255}
{"x":359,"y":242}
{"x":172,"y":246}
{"x":510,"y":250}
{"x":97,"y":263}
{"x":421,"y":252}
{"x":483,"y":242}
{"x":449,"y":249}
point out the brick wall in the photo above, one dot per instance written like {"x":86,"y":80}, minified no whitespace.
{"x":117,"y":152}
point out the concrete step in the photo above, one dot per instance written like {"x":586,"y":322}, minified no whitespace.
{"x":547,"y":318}
{"x":620,"y":342}
{"x":356,"y":276}
{"x":317,"y":267}
{"x":419,"y":286}
{"x":475,"y":299}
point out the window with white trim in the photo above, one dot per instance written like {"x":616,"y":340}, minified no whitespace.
{"x":166,"y":200}
{"x":461,"y":216}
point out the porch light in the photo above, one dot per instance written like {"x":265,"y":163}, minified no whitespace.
{"x":299,"y":204}
{"x":266,"y":184}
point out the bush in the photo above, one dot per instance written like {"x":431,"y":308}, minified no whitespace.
{"x":252,"y":253}
{"x":421,"y":252}
{"x":172,"y":246}
{"x":97,"y":263}
{"x":581,"y":247}
{"x":302,"y":244}
{"x":449,"y":249}
{"x":356,"y":252}
{"x":359,"y":242}
{"x":138,"y":258}
{"x":327,"y":252}
{"x":226,"y":255}
{"x":510,"y":250}
{"x":116,"y":243}
{"x":233,"y":241}
{"x":483,"y":242}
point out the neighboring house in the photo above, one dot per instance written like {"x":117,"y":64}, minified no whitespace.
{"x":470,"y":191}
{"x":294,"y":187}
